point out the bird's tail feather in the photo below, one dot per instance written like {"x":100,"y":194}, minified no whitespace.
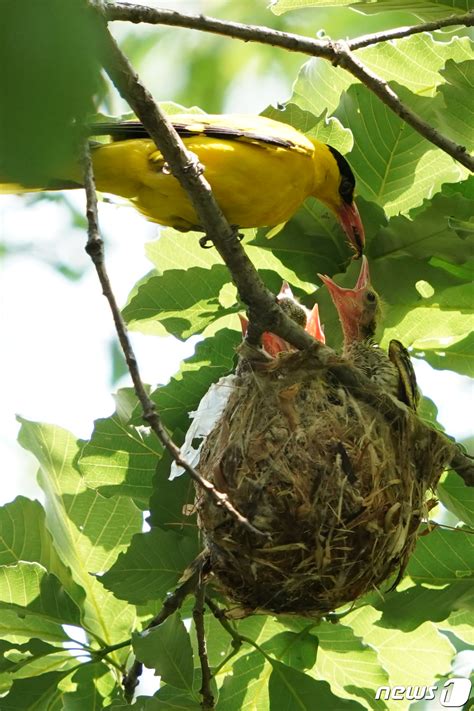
{"x":9,"y":188}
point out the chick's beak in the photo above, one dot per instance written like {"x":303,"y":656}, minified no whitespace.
{"x":348,"y":216}
{"x":347,"y":301}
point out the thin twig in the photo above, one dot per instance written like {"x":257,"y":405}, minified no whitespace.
{"x":198,"y":617}
{"x":172,"y":603}
{"x":466,"y":20}
{"x":95,"y":250}
{"x":337,"y":52}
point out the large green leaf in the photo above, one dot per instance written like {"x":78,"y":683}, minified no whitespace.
{"x":168,"y":698}
{"x":246,"y":688}
{"x":94,"y":685}
{"x":170,"y":498}
{"x":29,"y":586}
{"x":423,"y":9}
{"x":121,"y":458}
{"x":21,"y":627}
{"x":151,"y":566}
{"x":457,"y":497}
{"x":289,"y":688}
{"x":349,"y":665}
{"x":439,"y":321}
{"x":394,"y":165}
{"x":88,"y":530}
{"x":41,"y":692}
{"x":324,"y":129}
{"x":429,"y":232}
{"x":443,"y":557}
{"x":191,"y":289}
{"x":26,"y":538}
{"x":414,"y":62}
{"x":167,"y":650}
{"x":408,"y":609}
{"x":49,"y":52}
{"x":457,"y":114}
{"x":295,"y":649}
{"x":403,"y":654}
{"x":458,"y":357}
{"x":213,"y":358}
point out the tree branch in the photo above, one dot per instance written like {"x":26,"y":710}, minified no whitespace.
{"x":172,"y":603}
{"x":263,"y":309}
{"x":466,"y":20}
{"x":95,"y":249}
{"x":339,"y":53}
{"x":198,"y":617}
{"x":261,"y":302}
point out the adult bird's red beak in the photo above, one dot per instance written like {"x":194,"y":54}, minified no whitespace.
{"x":348,"y":216}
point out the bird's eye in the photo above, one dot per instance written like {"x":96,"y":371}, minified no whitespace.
{"x":370,"y":296}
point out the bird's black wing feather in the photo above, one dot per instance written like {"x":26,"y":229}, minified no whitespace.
{"x":408,"y":389}
{"x":127,"y":130}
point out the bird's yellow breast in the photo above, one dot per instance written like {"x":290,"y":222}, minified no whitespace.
{"x":254,"y":183}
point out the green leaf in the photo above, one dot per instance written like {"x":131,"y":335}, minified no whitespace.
{"x":151,"y":566}
{"x":289,"y":688}
{"x":439,"y":321}
{"x":428,"y":233}
{"x":414,"y":62}
{"x":324,"y":129}
{"x":408,"y":609}
{"x":26,"y":538}
{"x":182,"y":303}
{"x":167,"y":650}
{"x":29,"y":586}
{"x":169,"y":499}
{"x":403,"y":654}
{"x":121,"y":458}
{"x":457,"y":114}
{"x":350,"y":666}
{"x":192,"y":289}
{"x":168,"y":699}
{"x":88,"y":530}
{"x":295,"y":649}
{"x":18,"y":628}
{"x":36,"y":693}
{"x":281,"y":6}
{"x":49,"y":52}
{"x":247,"y":686}
{"x":394,"y":165}
{"x":457,"y":497}
{"x":443,"y":557}
{"x":458,"y":357}
{"x":213,"y":358}
{"x":460,"y":624}
{"x":95,"y":684}
{"x":423,"y":9}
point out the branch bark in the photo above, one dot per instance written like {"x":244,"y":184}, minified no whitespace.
{"x":95,"y":249}
{"x":339,"y":53}
{"x":206,"y":676}
{"x":262,"y":307}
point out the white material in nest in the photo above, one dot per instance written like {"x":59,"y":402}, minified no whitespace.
{"x":204,"y":418}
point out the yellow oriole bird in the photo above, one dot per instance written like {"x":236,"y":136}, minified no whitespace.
{"x":260,"y":172}
{"x":359,"y":311}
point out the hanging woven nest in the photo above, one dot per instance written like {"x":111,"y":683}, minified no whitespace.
{"x":339,"y":489}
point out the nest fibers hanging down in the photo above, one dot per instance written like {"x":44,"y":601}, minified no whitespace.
{"x":339,"y":488}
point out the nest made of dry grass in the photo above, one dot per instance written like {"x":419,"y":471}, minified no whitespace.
{"x":340,"y":489}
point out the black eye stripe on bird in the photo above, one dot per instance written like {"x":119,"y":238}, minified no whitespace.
{"x":346,"y":188}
